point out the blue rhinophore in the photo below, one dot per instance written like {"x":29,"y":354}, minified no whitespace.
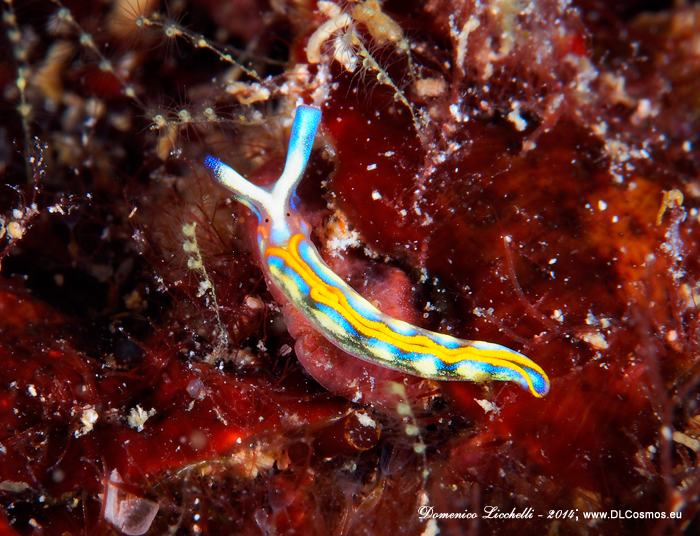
{"x":214,"y":164}
{"x":304,"y":128}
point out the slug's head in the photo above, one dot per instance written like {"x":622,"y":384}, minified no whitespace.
{"x":278,"y":219}
{"x":278,"y":229}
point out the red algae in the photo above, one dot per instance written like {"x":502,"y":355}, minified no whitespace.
{"x":523,"y":173}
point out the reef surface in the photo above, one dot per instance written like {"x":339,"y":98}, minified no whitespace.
{"x":523,"y":173}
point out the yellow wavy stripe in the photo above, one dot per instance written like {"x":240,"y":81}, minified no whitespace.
{"x":335,"y":298}
{"x":401,"y":341}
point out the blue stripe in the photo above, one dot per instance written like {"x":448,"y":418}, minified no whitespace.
{"x":337,"y":319}
{"x":287,"y":271}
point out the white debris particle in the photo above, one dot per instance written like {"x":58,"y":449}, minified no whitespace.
{"x":459,"y":116}
{"x":339,"y":236}
{"x":13,"y":487}
{"x":600,"y":129}
{"x":487,"y":405}
{"x":480,"y":311}
{"x":558,"y":315}
{"x":687,"y":146}
{"x":371,"y":167}
{"x":691,"y":443}
{"x":254,"y":303}
{"x":515,"y":118}
{"x":365,"y":420}
{"x":138,"y":417}
{"x":643,"y":110}
{"x":15,"y":230}
{"x":376,"y":195}
{"x":56,"y":209}
{"x":204,"y":286}
{"x":253,"y":460}
{"x":590,"y":319}
{"x":596,"y":340}
{"x":31,"y":390}
{"x":389,"y":153}
{"x":423,"y":275}
{"x":602,"y":205}
{"x":463,"y":37}
{"x":88,"y":418}
{"x":615,"y":219}
{"x":552,"y":261}
{"x":248,"y":93}
{"x":431,"y":528}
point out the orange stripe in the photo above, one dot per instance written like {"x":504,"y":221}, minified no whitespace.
{"x":335,"y":298}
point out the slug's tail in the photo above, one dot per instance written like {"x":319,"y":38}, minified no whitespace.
{"x":489,"y":361}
